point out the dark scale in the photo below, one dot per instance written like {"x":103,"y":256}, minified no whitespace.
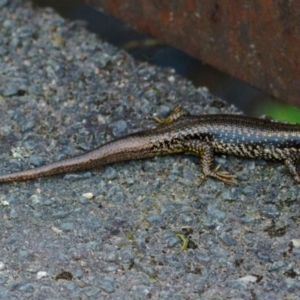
{"x":202,"y":136}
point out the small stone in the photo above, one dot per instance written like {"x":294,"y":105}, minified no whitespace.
{"x":27,"y":287}
{"x":296,"y":251}
{"x":36,"y":160}
{"x":79,"y":176}
{"x":78,"y":273}
{"x":41,"y":274}
{"x":201,"y":257}
{"x":119,"y":128}
{"x":276,"y":265}
{"x":171,"y":239}
{"x":2,"y":266}
{"x":227,"y":196}
{"x":92,"y":292}
{"x":296,"y":243}
{"x":68,"y":226}
{"x":3,"y":3}
{"x":263,"y":256}
{"x":3,"y":280}
{"x":227,"y":239}
{"x":88,"y":195}
{"x":248,"y":279}
{"x":154,"y":218}
{"x":119,"y":197}
{"x":35,"y":199}
{"x":110,"y":256}
{"x":13,"y":213}
{"x":27,"y":125}
{"x":56,"y":230}
{"x":110,"y":173}
{"x":107,"y":284}
{"x":186,"y":219}
{"x":83,"y":200}
{"x":60,"y":214}
{"x":270,"y":211}
{"x":25,"y":32}
{"x":236,"y":284}
{"x":6,"y":23}
{"x":171,"y":78}
{"x":215,"y":213}
{"x":248,"y":191}
{"x":4,"y":203}
{"x":14,"y":43}
{"x":293,"y":284}
{"x":9,"y":90}
{"x":3,"y":293}
{"x":35,"y":90}
{"x":130,"y":181}
{"x":247,"y":219}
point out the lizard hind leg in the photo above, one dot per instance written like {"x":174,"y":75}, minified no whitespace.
{"x":175,"y":114}
{"x":291,"y":165}
{"x":206,"y":153}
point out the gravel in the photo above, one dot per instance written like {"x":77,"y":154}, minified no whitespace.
{"x":63,"y":91}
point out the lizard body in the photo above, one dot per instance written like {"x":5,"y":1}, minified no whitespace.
{"x":202,"y":135}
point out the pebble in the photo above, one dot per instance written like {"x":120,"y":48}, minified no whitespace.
{"x":215,"y":213}
{"x":67,"y":226}
{"x":296,"y":243}
{"x":26,"y":287}
{"x":13,"y":213}
{"x":2,"y":266}
{"x":154,"y":218}
{"x":270,"y":211}
{"x":41,"y":274}
{"x":171,"y":239}
{"x":3,"y":290}
{"x":248,"y":279}
{"x":9,"y":90}
{"x":107,"y":284}
{"x":277,"y":265}
{"x":119,"y":128}
{"x":93,"y":292}
{"x":37,"y":161}
{"x":88,"y":196}
{"x":227,"y":239}
{"x":110,"y":173}
{"x":3,"y":279}
{"x":3,"y":3}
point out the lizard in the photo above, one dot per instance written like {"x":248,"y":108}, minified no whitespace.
{"x":199,"y":135}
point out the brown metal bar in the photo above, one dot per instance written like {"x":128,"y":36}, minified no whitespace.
{"x":257,"y":41}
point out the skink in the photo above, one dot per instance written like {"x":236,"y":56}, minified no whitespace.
{"x":202,"y":135}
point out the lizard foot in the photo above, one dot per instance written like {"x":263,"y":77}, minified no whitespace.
{"x":176,"y":113}
{"x":221,"y":175}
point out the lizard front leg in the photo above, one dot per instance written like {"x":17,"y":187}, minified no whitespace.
{"x":205,"y":151}
{"x":291,"y":165}
{"x":175,"y":114}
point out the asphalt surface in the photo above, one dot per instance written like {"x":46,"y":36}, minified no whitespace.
{"x":112,"y":233}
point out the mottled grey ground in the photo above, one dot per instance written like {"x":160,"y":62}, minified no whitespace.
{"x":62,"y":92}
